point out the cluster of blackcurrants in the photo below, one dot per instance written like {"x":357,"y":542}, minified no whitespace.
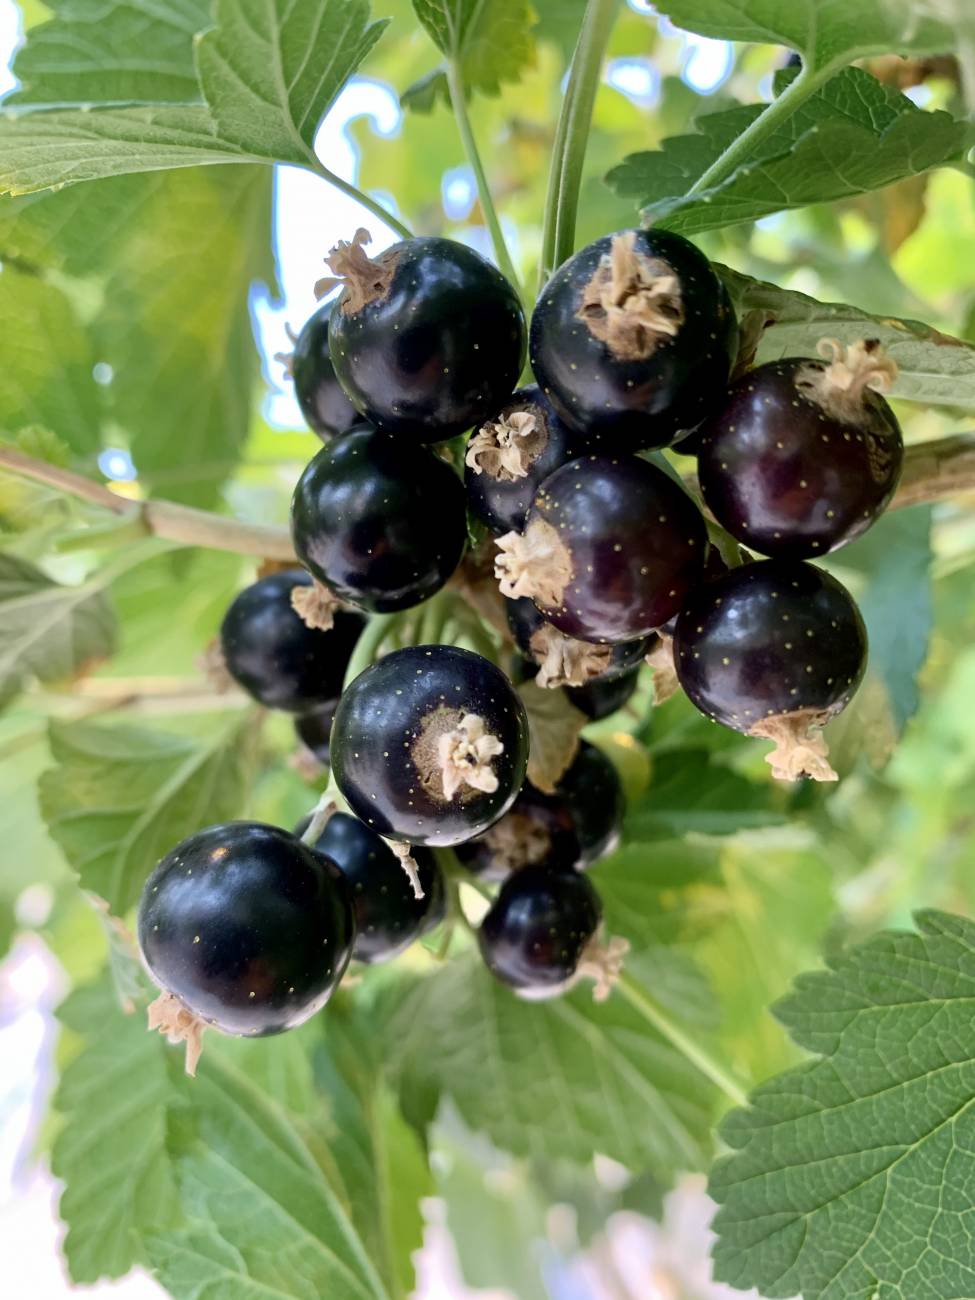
{"x":603,"y":559}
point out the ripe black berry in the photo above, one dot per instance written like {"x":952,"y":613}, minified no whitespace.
{"x":388,"y":915}
{"x":593,"y":791}
{"x":563,"y":660}
{"x":250,"y":930}
{"x":538,"y":831}
{"x":538,"y":926}
{"x":510,"y":454}
{"x":272,"y":654}
{"x":632,"y":339}
{"x":597,"y":699}
{"x":314,"y":729}
{"x":426,"y":339}
{"x":380,"y":522}
{"x":323,"y":403}
{"x":430,"y":745}
{"x":803,"y":456}
{"x":611,"y":548}
{"x":773,"y":649}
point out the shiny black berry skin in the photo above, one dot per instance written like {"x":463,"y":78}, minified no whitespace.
{"x":381,"y":522}
{"x":600,"y":699}
{"x":537,"y":927}
{"x":788,"y":479}
{"x":250,"y":929}
{"x":636,"y":543}
{"x":594,"y":793}
{"x":324,"y":405}
{"x":767,"y":639}
{"x":501,"y":501}
{"x":388,"y":916}
{"x":314,"y":729}
{"x":539,"y":830}
{"x":621,"y":404}
{"x":386,"y":735}
{"x":277,"y":659}
{"x":524,"y":621}
{"x":439,"y":350}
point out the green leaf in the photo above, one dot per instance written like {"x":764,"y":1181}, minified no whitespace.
{"x":825,"y":32}
{"x":851,"y":1176}
{"x":380,"y":1165}
{"x":46,"y":378}
{"x":933,"y":368}
{"x":851,"y":136}
{"x":264,"y":1220}
{"x":271,"y":69}
{"x":120,"y":797}
{"x":172,"y":259}
{"x":490,"y":40}
{"x":111,"y":1150}
{"x":689,"y":792}
{"x":48,"y":631}
{"x":268,"y":72}
{"x":659,"y":892}
{"x":897,"y":602}
{"x":560,"y":1079}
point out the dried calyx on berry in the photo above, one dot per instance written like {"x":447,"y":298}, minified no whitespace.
{"x":565,"y":660}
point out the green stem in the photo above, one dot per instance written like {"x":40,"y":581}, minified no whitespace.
{"x":474,"y":158}
{"x":572,"y":136}
{"x":743,"y":147}
{"x":367,"y":201}
{"x":640,"y":1000}
{"x":376,"y":631}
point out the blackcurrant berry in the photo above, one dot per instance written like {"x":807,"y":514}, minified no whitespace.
{"x":563,"y":660}
{"x":611,"y":548}
{"x":592,"y":789}
{"x":538,"y":927}
{"x":388,"y":915}
{"x":427,"y":339}
{"x":632,"y":339}
{"x":324,"y":405}
{"x":538,"y":830}
{"x":314,"y":729}
{"x":773,"y":649}
{"x":250,"y":930}
{"x":272,"y":654}
{"x":803,"y":456}
{"x":510,"y":454}
{"x":597,"y":699}
{"x":379,"y":521}
{"x":430,"y":745}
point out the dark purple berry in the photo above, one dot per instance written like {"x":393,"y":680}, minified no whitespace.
{"x":538,"y":927}
{"x":592,"y":789}
{"x":610,"y":551}
{"x":563,"y":660}
{"x":388,"y":915}
{"x":803,"y":456}
{"x":380,"y":521}
{"x":427,"y":339}
{"x":600,"y":699}
{"x":538,"y":831}
{"x":247,"y":927}
{"x":430,"y":745}
{"x":324,"y":405}
{"x":510,"y":454}
{"x":632,"y":339}
{"x":773,"y":649}
{"x":270,"y":652}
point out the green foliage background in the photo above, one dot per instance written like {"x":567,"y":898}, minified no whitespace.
{"x":296,"y":1167}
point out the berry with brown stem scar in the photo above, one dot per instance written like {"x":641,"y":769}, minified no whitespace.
{"x":427,"y":338}
{"x":611,"y":548}
{"x":430,"y":745}
{"x":774,"y":649}
{"x":632,"y":340}
{"x":804,"y":455}
{"x":563,"y":660}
